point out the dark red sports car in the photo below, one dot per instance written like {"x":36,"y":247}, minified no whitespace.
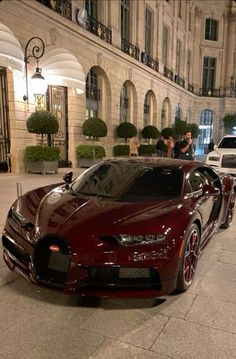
{"x":125,"y":227}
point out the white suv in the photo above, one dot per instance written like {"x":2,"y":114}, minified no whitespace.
{"x":223,"y":158}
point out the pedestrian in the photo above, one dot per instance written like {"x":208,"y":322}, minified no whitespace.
{"x":133,"y":146}
{"x":160,"y":146}
{"x":186,"y":147}
{"x":170,"y":143}
{"x":211,"y":145}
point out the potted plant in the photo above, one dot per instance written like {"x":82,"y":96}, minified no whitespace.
{"x":125,"y":130}
{"x":148,"y":132}
{"x":44,"y":157}
{"x":87,"y":155}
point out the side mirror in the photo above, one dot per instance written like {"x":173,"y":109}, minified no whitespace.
{"x":215,"y":147}
{"x":68,"y":178}
{"x":209,"y":190}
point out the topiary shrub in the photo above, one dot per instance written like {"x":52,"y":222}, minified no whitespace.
{"x":94,"y":127}
{"x":42,"y":153}
{"x":229,"y":122}
{"x":42,"y":123}
{"x":150,"y":132}
{"x":180,"y":128}
{"x":147,"y":150}
{"x":126,"y":130}
{"x":121,"y":150}
{"x":87,"y":151}
{"x":167,"y":131}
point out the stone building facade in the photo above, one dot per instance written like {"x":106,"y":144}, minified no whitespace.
{"x":143,"y":61}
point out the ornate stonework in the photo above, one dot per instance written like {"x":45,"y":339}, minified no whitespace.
{"x":99,"y":58}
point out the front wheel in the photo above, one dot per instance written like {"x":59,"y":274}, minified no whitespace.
{"x":188,"y":259}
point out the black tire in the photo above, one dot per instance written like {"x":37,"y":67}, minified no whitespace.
{"x":230,"y":213}
{"x":188,"y":259}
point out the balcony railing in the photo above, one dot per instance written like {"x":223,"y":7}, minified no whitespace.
{"x":230,"y":91}
{"x":62,"y":7}
{"x":191,"y":88}
{"x":92,"y":93}
{"x":98,"y":29}
{"x":179,"y":80}
{"x":168,"y":73}
{"x":211,"y":92}
{"x":130,"y":49}
{"x":149,"y":61}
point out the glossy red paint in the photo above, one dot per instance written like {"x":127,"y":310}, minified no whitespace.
{"x":68,"y":239}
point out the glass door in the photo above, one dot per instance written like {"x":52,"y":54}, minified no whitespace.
{"x":4,"y":124}
{"x":57,"y":104}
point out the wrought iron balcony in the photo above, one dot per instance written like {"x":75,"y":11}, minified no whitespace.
{"x":98,"y":29}
{"x":149,"y":61}
{"x":179,"y":80}
{"x":230,"y":91}
{"x":62,"y":7}
{"x":168,"y":73}
{"x":130,"y":49}
{"x":211,"y":92}
{"x":92,"y":93}
{"x":191,"y":88}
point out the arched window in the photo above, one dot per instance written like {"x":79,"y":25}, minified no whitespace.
{"x":146,"y":111}
{"x":124,"y":104}
{"x":92,"y":95}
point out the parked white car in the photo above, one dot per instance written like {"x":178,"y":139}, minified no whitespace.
{"x":223,"y":158}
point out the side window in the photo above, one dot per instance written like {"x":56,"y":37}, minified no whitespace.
{"x":197,"y":180}
{"x":211,"y":176}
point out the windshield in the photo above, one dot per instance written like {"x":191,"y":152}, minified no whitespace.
{"x":130,"y":182}
{"x":228,"y":142}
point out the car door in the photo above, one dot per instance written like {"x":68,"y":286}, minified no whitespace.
{"x":203,"y":204}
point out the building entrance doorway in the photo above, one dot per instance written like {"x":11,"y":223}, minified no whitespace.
{"x":57,"y":104}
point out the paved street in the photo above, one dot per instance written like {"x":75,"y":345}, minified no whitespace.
{"x":38,"y":323}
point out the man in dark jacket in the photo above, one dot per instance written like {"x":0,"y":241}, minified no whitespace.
{"x":211,"y":146}
{"x":186,"y":147}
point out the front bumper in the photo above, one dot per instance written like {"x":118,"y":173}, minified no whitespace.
{"x":143,"y":274}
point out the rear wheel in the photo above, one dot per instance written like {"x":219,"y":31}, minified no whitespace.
{"x":188,"y":259}
{"x":230,"y":213}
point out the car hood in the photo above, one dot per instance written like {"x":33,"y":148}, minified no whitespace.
{"x":61,"y":211}
{"x":223,"y":151}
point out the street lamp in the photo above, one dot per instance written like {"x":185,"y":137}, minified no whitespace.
{"x":36,"y":53}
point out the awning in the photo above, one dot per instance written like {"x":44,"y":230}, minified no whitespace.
{"x":60,"y":67}
{"x":11,"y":54}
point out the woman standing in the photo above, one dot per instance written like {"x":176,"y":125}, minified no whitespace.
{"x":170,"y":146}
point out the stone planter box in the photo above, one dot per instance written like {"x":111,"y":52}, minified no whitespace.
{"x":41,"y":167}
{"x":88,"y":162}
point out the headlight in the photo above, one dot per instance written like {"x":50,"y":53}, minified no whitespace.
{"x":17,"y":217}
{"x":213,"y":158}
{"x":129,"y":240}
